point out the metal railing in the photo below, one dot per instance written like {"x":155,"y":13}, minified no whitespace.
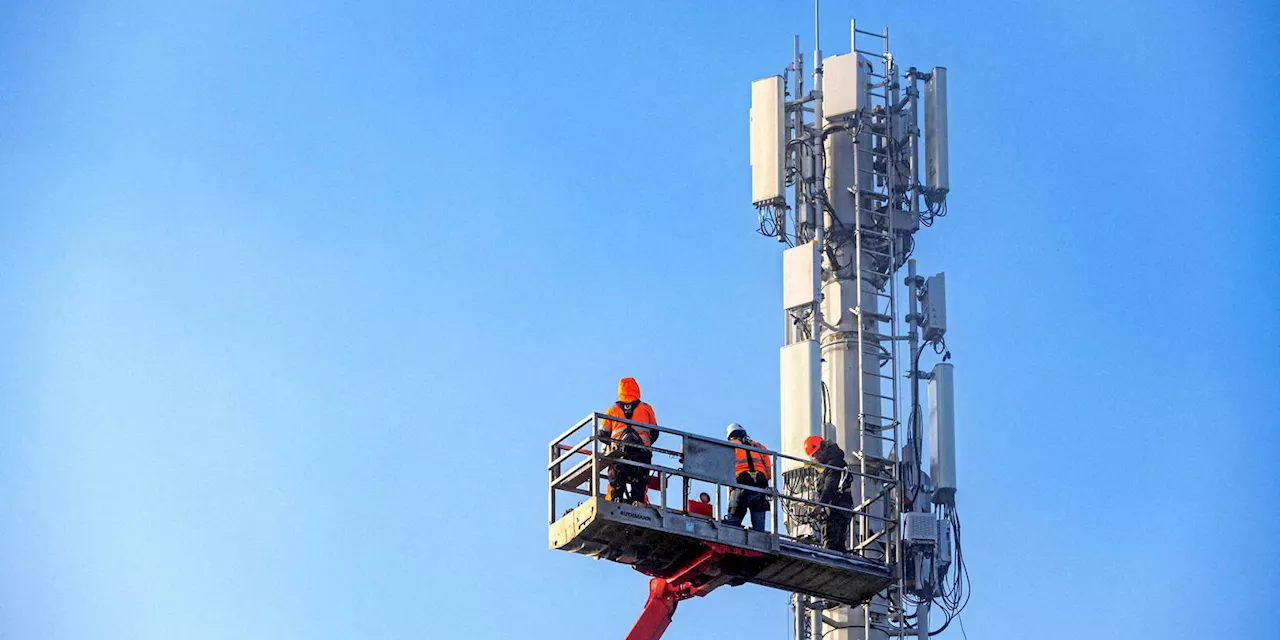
{"x":580,"y":458}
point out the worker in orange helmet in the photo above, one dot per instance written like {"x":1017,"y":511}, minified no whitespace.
{"x":752,"y":469}
{"x":628,"y":483}
{"x":834,"y":486}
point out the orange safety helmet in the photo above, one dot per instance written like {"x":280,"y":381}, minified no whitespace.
{"x":812,"y":444}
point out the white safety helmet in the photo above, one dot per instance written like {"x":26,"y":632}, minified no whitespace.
{"x":733,"y":428}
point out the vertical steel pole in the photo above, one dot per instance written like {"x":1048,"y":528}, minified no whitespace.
{"x":820,"y":172}
{"x":803,"y":221}
{"x":913,"y":439}
{"x":797,"y":617}
{"x":595,"y":456}
{"x":914,"y":143}
{"x":777,"y":502}
{"x":922,"y":620}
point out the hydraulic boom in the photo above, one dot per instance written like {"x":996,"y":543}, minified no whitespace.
{"x":698,"y":577}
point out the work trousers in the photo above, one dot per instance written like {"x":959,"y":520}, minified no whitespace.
{"x":835,"y":524}
{"x":742,"y":500}
{"x":628,"y":483}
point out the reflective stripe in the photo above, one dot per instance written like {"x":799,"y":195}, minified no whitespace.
{"x":620,"y":431}
{"x":751,"y":460}
{"x":640,"y":413}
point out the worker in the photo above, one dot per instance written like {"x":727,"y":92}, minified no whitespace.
{"x":833,"y":489}
{"x":752,"y":469}
{"x":628,"y":483}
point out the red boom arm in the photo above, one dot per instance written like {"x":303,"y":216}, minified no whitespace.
{"x":698,"y":578}
{"x":656,"y":617}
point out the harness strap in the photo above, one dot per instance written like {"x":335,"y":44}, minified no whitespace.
{"x":628,"y":410}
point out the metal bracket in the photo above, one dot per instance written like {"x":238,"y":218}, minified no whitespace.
{"x":839,"y":625}
{"x":873,"y":315}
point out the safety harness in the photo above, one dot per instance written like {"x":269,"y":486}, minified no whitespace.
{"x":630,"y":434}
{"x":844,"y":479}
{"x":751,"y":459}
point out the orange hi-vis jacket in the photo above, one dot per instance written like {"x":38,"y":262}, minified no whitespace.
{"x":629,"y":394}
{"x":752,"y":460}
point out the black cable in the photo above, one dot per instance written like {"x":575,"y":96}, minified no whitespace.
{"x":942,"y":628}
{"x":915,"y":411}
{"x":957,"y":597}
{"x":911,"y":248}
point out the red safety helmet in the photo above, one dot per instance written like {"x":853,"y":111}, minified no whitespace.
{"x":812,"y":444}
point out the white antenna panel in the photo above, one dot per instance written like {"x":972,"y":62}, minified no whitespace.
{"x":935,"y":307}
{"x":801,"y":398}
{"x":800,"y":276}
{"x":936,"y":164}
{"x":844,"y":85}
{"x":768,"y":140}
{"x":942,"y":433}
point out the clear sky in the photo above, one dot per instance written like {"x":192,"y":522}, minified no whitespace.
{"x":292,"y":298}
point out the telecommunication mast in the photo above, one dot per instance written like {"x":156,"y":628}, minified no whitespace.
{"x":845,"y":140}
{"x":837,"y":156}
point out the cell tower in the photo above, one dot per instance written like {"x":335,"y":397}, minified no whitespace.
{"x":847,"y":146}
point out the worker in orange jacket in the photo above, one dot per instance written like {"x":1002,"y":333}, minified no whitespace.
{"x":752,"y":469}
{"x":628,"y":483}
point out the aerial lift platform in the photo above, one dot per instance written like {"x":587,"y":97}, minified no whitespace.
{"x":683,"y":545}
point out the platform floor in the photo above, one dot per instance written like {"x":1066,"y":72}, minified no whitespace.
{"x":658,"y":541}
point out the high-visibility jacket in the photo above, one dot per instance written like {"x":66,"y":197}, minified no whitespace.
{"x":752,"y":461}
{"x":629,"y":402}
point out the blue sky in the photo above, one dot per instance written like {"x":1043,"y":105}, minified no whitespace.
{"x":292,"y":298}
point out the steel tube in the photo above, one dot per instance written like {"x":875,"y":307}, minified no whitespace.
{"x":575,"y":427}
{"x":595,"y":457}
{"x":575,"y":450}
{"x":777,"y":503}
{"x":922,"y":620}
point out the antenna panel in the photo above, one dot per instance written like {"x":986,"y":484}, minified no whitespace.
{"x":768,"y":140}
{"x":801,"y":398}
{"x":942,"y":433}
{"x":800,"y":276}
{"x":936,"y":164}
{"x":844,"y":85}
{"x":935,"y":307}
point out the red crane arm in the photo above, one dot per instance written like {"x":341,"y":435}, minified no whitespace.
{"x":697,"y":578}
{"x":656,"y":617}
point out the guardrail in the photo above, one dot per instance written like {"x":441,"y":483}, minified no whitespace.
{"x":578,"y":465}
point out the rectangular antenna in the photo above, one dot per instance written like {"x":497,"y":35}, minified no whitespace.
{"x":936,"y":165}
{"x":942,"y":434}
{"x":800,"y":276}
{"x":844,"y":85}
{"x":801,"y":378}
{"x":934,"y":306}
{"x":768,"y":141}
